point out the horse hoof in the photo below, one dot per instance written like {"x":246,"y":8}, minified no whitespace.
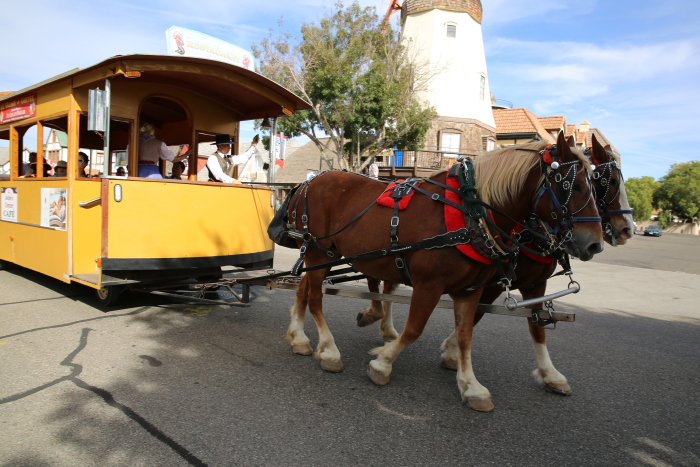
{"x":561,"y":389}
{"x":378,"y":378}
{"x":480,"y":405}
{"x":302,"y":349}
{"x":449,"y":363}
{"x":365,"y":320}
{"x":333,"y":366}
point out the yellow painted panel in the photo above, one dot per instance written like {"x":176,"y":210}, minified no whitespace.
{"x":27,"y":243}
{"x":127,"y":96}
{"x":87,"y":226}
{"x":179,"y":220}
{"x":54,"y":98}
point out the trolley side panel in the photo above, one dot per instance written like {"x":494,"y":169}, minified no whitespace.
{"x":166,"y":220}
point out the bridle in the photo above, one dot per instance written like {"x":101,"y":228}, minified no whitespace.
{"x":602,"y":181}
{"x":557,"y":181}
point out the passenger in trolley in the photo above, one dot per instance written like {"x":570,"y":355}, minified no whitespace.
{"x":151,"y":150}
{"x":221,"y":164}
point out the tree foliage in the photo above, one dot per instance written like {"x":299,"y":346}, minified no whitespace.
{"x":640,"y":194}
{"x":360,"y":80}
{"x":679,"y":190}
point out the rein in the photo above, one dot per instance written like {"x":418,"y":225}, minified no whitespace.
{"x":471,"y":206}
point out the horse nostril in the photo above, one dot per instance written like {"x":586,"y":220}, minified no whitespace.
{"x":595,"y":247}
{"x":626,"y":232}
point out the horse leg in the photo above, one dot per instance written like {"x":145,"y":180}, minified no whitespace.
{"x":379,"y":310}
{"x":423,"y":303}
{"x":473,"y":393}
{"x":374,"y":311}
{"x":295,"y":332}
{"x":326,"y":351}
{"x":386,"y":327}
{"x":451,"y":351}
{"x":554,"y":381}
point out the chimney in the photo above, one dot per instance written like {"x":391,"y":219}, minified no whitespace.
{"x":584,"y":127}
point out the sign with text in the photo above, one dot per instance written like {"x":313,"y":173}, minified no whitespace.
{"x":8,"y":204}
{"x":18,"y":108}
{"x":190,"y":43}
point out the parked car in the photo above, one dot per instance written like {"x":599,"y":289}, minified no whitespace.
{"x":653,"y":230}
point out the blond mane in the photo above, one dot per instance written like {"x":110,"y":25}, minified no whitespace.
{"x":501,"y":174}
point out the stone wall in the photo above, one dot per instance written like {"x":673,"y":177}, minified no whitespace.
{"x":472,"y":133}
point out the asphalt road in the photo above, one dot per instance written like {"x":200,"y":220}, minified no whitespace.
{"x":151,"y":382}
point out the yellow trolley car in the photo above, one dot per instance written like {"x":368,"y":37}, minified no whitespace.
{"x":106,"y":231}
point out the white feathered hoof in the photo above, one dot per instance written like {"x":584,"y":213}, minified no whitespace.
{"x":302,"y":349}
{"x":480,"y":405}
{"x":333,"y":366}
{"x":561,"y":389}
{"x":377,"y":377}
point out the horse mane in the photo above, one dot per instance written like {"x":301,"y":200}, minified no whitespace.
{"x":501,"y":174}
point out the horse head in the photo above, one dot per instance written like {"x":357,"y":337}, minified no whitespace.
{"x":609,"y":186}
{"x":566,"y":200}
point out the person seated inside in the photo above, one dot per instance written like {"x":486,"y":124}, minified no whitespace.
{"x":178,"y":170}
{"x":30,"y":167}
{"x":83,"y":161}
{"x":60,"y":169}
{"x":152,"y":150}
{"x":121,"y":172}
{"x":221,"y":164}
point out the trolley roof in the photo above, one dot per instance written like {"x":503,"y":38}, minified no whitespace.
{"x":247,"y":93}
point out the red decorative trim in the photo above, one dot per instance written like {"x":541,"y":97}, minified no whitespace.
{"x":386,"y":200}
{"x":454,"y":219}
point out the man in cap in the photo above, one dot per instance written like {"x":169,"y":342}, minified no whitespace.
{"x":221,"y":164}
{"x":61,"y":169}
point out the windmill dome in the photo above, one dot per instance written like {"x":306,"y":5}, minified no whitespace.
{"x":473,"y":7}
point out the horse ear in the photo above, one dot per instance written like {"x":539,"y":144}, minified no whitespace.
{"x":570,"y":141}
{"x":598,"y":152}
{"x":562,"y":148}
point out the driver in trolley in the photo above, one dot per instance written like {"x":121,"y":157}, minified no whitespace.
{"x":221,"y":164}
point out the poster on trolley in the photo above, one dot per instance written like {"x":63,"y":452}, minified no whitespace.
{"x":54,"y":207}
{"x":8,"y":202}
{"x":188,"y":43}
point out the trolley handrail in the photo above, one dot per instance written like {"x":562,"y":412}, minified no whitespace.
{"x":91,"y":203}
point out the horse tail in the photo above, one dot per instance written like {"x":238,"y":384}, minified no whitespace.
{"x":278,"y":230}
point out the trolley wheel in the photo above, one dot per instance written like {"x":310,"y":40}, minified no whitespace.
{"x":109,"y":295}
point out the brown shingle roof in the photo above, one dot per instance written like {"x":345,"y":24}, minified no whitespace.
{"x":553,"y":123}
{"x":519,"y":120}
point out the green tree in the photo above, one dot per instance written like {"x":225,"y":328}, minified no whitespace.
{"x":640,"y":193}
{"x":360,"y":80}
{"x":679,"y":191}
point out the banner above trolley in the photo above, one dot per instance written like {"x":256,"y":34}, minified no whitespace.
{"x":188,"y":43}
{"x":18,"y":108}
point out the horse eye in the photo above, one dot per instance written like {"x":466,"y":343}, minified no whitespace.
{"x":613,"y":181}
{"x":577,"y":187}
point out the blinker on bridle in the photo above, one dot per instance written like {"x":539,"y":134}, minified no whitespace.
{"x":565,"y":182}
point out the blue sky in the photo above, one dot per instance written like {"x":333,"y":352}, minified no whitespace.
{"x":631,"y":68}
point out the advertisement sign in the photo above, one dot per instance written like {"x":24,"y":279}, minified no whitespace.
{"x":18,"y":108}
{"x":8,"y":204}
{"x":190,"y":43}
{"x":54,"y":207}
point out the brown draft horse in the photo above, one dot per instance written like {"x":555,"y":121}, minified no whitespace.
{"x":507,"y":179}
{"x":532,"y":275}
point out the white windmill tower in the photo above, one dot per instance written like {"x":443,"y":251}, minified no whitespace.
{"x":445,"y":36}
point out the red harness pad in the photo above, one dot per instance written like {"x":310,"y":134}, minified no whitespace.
{"x":539,"y":259}
{"x":454,"y":220}
{"x":386,"y":200}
